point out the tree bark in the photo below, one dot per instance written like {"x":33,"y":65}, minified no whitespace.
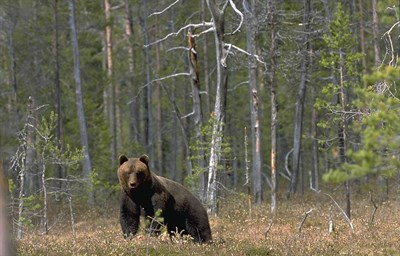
{"x":57,"y":89}
{"x":274,"y":105}
{"x":111,"y":99}
{"x":206,"y":67}
{"x":220,"y":103}
{"x":159,"y":140}
{"x":375,"y":34}
{"x":197,"y":113}
{"x":148,"y":123}
{"x":87,"y":168}
{"x":134,"y":103}
{"x":301,"y":96}
{"x":253,"y":92}
{"x":314,"y":137}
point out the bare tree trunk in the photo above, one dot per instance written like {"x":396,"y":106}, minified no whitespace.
{"x":362,"y":40}
{"x":43,"y":176}
{"x":57,"y":90}
{"x":148,"y":123}
{"x":87,"y":169}
{"x":220,"y":104}
{"x":314,"y":136}
{"x":342,"y":131}
{"x":253,"y":92}
{"x":375,"y":34}
{"x":6,"y":247}
{"x":32,"y":171}
{"x":159,"y":140}
{"x":197,"y":113}
{"x":274,"y":105}
{"x":111,"y":102}
{"x":206,"y":66}
{"x":301,"y":95}
{"x":134,"y":104}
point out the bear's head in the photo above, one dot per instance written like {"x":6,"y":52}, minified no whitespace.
{"x":133,"y":173}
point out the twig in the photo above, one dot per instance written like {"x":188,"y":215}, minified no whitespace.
{"x":304,"y":219}
{"x":157,"y":80}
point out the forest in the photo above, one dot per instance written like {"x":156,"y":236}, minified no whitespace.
{"x":283,"y":117}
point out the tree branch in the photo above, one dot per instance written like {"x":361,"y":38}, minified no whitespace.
{"x":193,"y":26}
{"x":166,"y":9}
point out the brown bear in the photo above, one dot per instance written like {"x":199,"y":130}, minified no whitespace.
{"x":179,"y":209}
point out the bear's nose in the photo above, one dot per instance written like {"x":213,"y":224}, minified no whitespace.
{"x":132,"y":184}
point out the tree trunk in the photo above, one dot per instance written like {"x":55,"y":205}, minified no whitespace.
{"x":134,"y":112}
{"x":206,"y":66}
{"x":5,"y":231}
{"x":314,"y":136}
{"x":301,"y":96}
{"x":87,"y":168}
{"x":220,"y":104}
{"x":148,"y":119}
{"x":57,"y":90}
{"x":253,"y":92}
{"x":197,"y":113}
{"x":274,"y":105}
{"x":159,"y":145}
{"x":111,"y":99}
{"x":375,"y":34}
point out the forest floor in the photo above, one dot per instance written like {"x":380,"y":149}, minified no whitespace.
{"x":236,"y":231}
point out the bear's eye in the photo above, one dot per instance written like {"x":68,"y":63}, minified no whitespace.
{"x":140,"y":175}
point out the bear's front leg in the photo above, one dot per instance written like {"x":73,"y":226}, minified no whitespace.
{"x":129,"y":216}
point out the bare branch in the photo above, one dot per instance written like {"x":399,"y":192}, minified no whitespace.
{"x":193,"y":26}
{"x":166,"y":8}
{"x":258,"y":58}
{"x":241,"y":17}
{"x":158,"y":80}
{"x":187,"y":115}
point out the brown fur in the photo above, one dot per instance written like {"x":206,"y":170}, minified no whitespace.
{"x":142,"y":189}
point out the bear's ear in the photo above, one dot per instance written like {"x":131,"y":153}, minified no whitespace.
{"x":144,"y":159}
{"x":122,"y":159}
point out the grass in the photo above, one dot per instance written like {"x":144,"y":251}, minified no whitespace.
{"x":235,"y":232}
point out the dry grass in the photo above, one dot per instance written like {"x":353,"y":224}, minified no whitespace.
{"x":235,"y":233}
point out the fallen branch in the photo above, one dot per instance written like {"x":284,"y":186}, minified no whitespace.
{"x":342,"y":211}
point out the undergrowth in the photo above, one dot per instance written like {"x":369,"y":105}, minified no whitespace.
{"x":236,"y":231}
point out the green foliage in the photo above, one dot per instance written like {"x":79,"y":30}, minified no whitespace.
{"x":341,"y":59}
{"x":49,"y":148}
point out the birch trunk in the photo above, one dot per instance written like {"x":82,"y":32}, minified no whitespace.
{"x":87,"y":168}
